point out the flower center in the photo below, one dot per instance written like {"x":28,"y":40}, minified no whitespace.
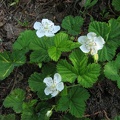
{"x":53,"y":86}
{"x":90,"y":44}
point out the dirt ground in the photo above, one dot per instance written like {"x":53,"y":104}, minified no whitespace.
{"x":104,"y":102}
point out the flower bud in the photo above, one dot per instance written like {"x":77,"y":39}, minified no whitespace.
{"x":96,"y":58}
{"x":49,"y":113}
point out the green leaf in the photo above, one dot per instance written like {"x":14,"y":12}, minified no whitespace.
{"x":67,"y":71}
{"x":36,"y":84}
{"x":41,"y":43}
{"x":78,"y":59}
{"x":40,"y":47}
{"x":107,"y":52}
{"x":114,"y":34}
{"x":24,"y":40}
{"x":111,"y":70}
{"x":86,"y":74}
{"x":28,"y":112}
{"x":54,"y":53}
{"x":7,"y":117}
{"x":100,"y":28}
{"x":39,"y":56}
{"x":74,"y":102}
{"x":15,"y":100}
{"x":90,"y":75}
{"x":49,"y":69}
{"x":72,"y":24}
{"x":10,"y":60}
{"x":116,"y":4}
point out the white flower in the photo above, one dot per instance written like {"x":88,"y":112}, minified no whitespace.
{"x":46,"y":28}
{"x":49,"y":113}
{"x":54,"y":86}
{"x":91,"y":43}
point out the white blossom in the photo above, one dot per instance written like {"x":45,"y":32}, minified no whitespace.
{"x":91,"y":43}
{"x":46,"y":28}
{"x":53,"y":86}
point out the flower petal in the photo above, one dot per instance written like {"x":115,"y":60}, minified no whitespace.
{"x":84,"y":49}
{"x":54,"y":93}
{"x":91,"y":35}
{"x":49,"y":34}
{"x":47,"y":90}
{"x":47,"y":22}
{"x":82,"y":39}
{"x":60,"y":86}
{"x":40,"y":34}
{"x":56,"y":28}
{"x":48,"y":81}
{"x":57,"y":78}
{"x":37,"y":25}
{"x":99,"y":41}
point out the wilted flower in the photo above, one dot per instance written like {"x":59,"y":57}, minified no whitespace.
{"x":46,"y":28}
{"x":54,"y":86}
{"x":91,"y":43}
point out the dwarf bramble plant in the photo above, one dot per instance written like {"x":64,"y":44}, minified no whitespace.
{"x":70,"y":62}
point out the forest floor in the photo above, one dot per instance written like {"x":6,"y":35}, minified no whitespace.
{"x":104,"y":101}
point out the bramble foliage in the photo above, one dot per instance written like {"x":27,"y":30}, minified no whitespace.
{"x":61,"y":54}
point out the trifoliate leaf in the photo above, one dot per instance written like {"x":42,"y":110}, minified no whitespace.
{"x":24,"y":40}
{"x":111,"y":70}
{"x":85,"y":73}
{"x":72,"y":24}
{"x":7,"y":117}
{"x":36,"y":84}
{"x":10,"y":60}
{"x":15,"y":100}
{"x":116,"y":4}
{"x":61,"y":44}
{"x":74,"y":102}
